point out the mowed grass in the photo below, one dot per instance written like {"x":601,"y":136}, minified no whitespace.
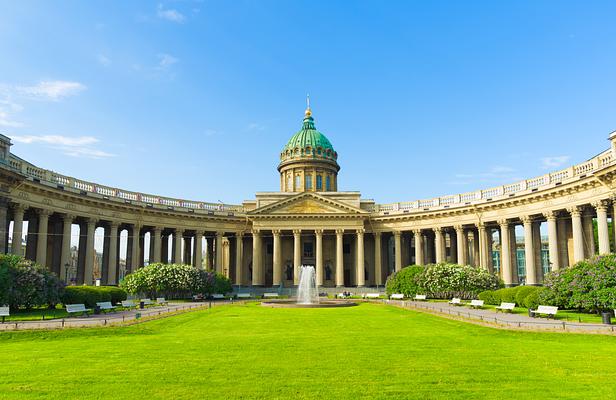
{"x":248,"y":351}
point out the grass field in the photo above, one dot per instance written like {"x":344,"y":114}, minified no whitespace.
{"x":248,"y":351}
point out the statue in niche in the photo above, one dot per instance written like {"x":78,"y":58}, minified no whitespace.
{"x":328,"y":272}
{"x":289,"y":271}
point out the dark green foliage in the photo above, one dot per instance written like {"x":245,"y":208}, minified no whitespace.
{"x":90,"y":295}
{"x":26,"y":284}
{"x":488,"y":297}
{"x":522,"y":296}
{"x":404,"y":281}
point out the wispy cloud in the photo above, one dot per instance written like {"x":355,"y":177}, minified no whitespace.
{"x":7,"y":111}
{"x":255,"y":126}
{"x":212,"y":132}
{"x":74,"y":146}
{"x":170,"y":14}
{"x":496,"y":174}
{"x":51,"y":90}
{"x":165,"y":61}
{"x":554,"y":162}
{"x":103,"y":60}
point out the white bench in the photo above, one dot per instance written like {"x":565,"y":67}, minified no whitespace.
{"x":105,"y":306}
{"x":476,"y":304}
{"x":218,"y":296}
{"x":456,"y":301}
{"x":270,"y":295}
{"x":396,"y":296}
{"x":161,"y":301}
{"x":77,"y":308}
{"x":343,"y":296}
{"x":128,"y":304}
{"x":420,"y":297}
{"x":4,"y":312}
{"x":372,"y":296}
{"x":243,"y":295}
{"x":146,"y":302}
{"x":505,"y":307}
{"x":545,"y":310}
{"x":198,"y":297}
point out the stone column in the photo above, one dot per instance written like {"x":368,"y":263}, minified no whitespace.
{"x":506,"y":269}
{"x":177,"y":239}
{"x":4,"y":225}
{"x":41,"y":240}
{"x":198,"y":257}
{"x":65,"y":255}
{"x":361,"y":276}
{"x":135,"y":255}
{"x":484,"y":250}
{"x":578,"y":234}
{"x":219,"y":236}
{"x":462,"y":245}
{"x":378,"y":267}
{"x":419,"y":247}
{"x":552,"y":240}
{"x":339,"y":258}
{"x":297,"y":255}
{"x":239,"y":258}
{"x":257,"y":275}
{"x":112,"y":263}
{"x":319,"y":256}
{"x":277,"y":259}
{"x":602,"y":227}
{"x":157,"y":233}
{"x":529,"y":251}
{"x":18,"y":227}
{"x":439,"y":244}
{"x":398,"y":250}
{"x":88,"y":277}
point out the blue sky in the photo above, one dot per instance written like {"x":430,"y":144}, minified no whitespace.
{"x":195,"y":99}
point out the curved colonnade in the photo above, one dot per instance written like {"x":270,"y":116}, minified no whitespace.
{"x":351,"y":241}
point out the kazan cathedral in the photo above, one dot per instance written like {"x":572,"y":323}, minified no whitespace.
{"x":352,"y":242}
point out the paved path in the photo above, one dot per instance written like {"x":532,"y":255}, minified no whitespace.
{"x":506,"y":320}
{"x":118,"y":318}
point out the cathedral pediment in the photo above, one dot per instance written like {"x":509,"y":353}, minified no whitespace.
{"x":307,"y":203}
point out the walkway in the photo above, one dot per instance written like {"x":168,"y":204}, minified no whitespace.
{"x":505,"y":320}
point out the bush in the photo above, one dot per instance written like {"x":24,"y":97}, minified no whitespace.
{"x":522,"y":296}
{"x":444,"y":281}
{"x":489,"y":297}
{"x":24,"y":283}
{"x":174,"y":281}
{"x":589,"y":285}
{"x":90,"y":295}
{"x":404,"y":281}
{"x":533,"y":299}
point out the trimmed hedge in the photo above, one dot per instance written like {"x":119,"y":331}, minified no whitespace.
{"x":90,"y":295}
{"x":404,"y":281}
{"x":522,"y":296}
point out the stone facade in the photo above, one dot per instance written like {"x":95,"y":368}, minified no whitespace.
{"x":350,"y":240}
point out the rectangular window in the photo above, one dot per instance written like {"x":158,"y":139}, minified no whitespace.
{"x":297,"y":182}
{"x":328,"y":183}
{"x":289,"y":182}
{"x":319,"y":182}
{"x":308,"y":249}
{"x":308,"y":181}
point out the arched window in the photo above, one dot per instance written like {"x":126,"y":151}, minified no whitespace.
{"x":289,"y":182}
{"x":308,"y":182}
{"x":328,"y":183}
{"x":319,"y":182}
{"x":297,"y":182}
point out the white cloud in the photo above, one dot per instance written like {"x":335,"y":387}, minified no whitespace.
{"x":103,"y":60}
{"x":255,"y":126}
{"x":74,"y":146}
{"x":212,"y":132}
{"x":166,"y":60}
{"x":497,"y":174}
{"x":7,"y":109}
{"x":554,"y":162}
{"x":51,"y":90}
{"x":170,"y":14}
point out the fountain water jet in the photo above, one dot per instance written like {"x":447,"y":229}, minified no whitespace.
{"x":307,"y":292}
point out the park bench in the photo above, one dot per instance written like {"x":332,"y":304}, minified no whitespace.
{"x":420,"y":297}
{"x":243,"y":295}
{"x":128,"y":304}
{"x":198,"y":297}
{"x":505,"y":307}
{"x":105,"y":306}
{"x":372,"y":296}
{"x":4,"y":312}
{"x":396,"y":296}
{"x":78,"y":309}
{"x":161,"y":301}
{"x":270,"y":295}
{"x":146,"y":302}
{"x":456,"y":301}
{"x":548,"y":311}
{"x":342,"y":296}
{"x":218,"y":296}
{"x":476,"y":304}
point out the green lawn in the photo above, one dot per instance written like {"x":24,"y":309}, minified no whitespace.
{"x":248,"y":351}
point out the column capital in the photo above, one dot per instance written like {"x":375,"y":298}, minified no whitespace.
{"x":238,"y":234}
{"x":397,"y":233}
{"x":19,"y":207}
{"x":438,"y":229}
{"x":417,"y":232}
{"x":68,"y":217}
{"x":158,"y":229}
{"x":550,"y":215}
{"x":360,"y":231}
{"x":220,"y":233}
{"x":114,"y":224}
{"x":481,"y":225}
{"x":574,"y":211}
{"x":600,"y":205}
{"x":92,"y":220}
{"x":43,"y":212}
{"x":377,"y":234}
{"x":339,"y":231}
{"x":297,"y":232}
{"x":503,"y":222}
{"x":527,"y":219}
{"x":318,"y":232}
{"x":255,"y":232}
{"x":179,"y":231}
{"x":459,"y":228}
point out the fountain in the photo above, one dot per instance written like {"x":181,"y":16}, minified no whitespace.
{"x":307,"y":294}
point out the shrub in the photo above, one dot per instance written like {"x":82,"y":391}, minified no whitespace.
{"x":532,"y":300}
{"x":489,"y":297}
{"x":452,"y":280}
{"x":90,"y":295}
{"x":404,"y":281}
{"x":588,"y":285}
{"x":24,"y":283}
{"x":174,"y":281}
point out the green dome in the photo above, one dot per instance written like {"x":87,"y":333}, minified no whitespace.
{"x":309,"y":142}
